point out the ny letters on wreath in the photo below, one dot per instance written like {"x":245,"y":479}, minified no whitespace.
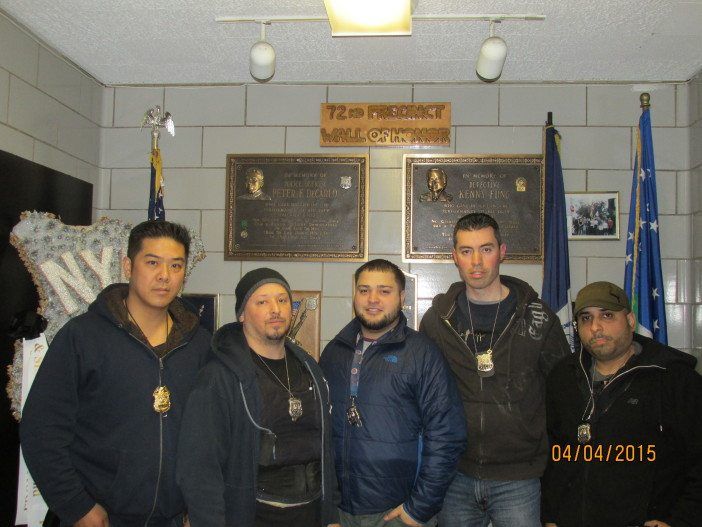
{"x":70,"y":265}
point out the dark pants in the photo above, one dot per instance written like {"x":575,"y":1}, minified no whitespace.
{"x":51,"y":520}
{"x":303,"y":516}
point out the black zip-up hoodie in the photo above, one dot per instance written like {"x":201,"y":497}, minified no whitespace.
{"x":89,"y":432}
{"x":505,"y":413}
{"x":218,"y":455}
{"x":644,"y":460}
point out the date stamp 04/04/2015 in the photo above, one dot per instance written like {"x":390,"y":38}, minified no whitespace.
{"x":603,"y":453}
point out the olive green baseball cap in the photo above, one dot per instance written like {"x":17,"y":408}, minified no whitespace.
{"x":601,"y":294}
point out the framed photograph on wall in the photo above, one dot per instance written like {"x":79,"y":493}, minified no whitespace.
{"x":592,"y":215}
{"x":207,"y":308}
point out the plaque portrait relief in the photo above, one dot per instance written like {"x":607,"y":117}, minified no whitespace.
{"x":254,"y":185}
{"x":508,"y":187}
{"x":301,"y":207}
{"x":436,"y":182}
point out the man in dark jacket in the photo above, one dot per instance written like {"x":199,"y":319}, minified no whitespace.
{"x":625,"y":420}
{"x":500,"y":341}
{"x":397,"y":419}
{"x":255,"y":443}
{"x":100,"y":426}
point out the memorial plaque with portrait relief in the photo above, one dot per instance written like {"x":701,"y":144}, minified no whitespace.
{"x":296,"y":207}
{"x":440,"y":189}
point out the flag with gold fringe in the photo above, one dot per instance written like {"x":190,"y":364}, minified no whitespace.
{"x":643,"y":277}
{"x":156,"y":208}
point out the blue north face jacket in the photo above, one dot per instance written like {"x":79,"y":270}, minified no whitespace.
{"x":413,"y":429}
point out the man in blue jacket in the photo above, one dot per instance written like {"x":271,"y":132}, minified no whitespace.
{"x":397,"y":420}
{"x":100,"y":426}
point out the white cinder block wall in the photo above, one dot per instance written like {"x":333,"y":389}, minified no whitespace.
{"x":695,"y":196}
{"x":50,"y":112}
{"x":597,"y":123}
{"x":56,"y":116}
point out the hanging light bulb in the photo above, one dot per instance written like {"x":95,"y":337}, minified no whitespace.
{"x":262,"y":58}
{"x":491,"y":58}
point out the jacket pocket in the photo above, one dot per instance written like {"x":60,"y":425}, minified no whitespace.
{"x":134,"y":487}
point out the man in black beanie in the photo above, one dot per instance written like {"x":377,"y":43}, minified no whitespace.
{"x":254,"y":447}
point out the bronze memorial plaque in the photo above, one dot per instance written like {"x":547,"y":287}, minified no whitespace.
{"x":298,"y":207}
{"x":439,"y":189}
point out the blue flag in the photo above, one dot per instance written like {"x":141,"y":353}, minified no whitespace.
{"x":556,"y":286}
{"x":643,"y":278}
{"x":156,"y":208}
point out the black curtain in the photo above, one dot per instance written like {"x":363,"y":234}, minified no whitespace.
{"x":25,"y":185}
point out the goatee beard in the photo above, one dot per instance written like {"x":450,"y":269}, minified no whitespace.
{"x":277,"y":337}
{"x":386,"y":321}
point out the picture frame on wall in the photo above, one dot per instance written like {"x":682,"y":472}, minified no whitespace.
{"x":206,"y":307}
{"x":592,"y":215}
{"x":305,"y":327}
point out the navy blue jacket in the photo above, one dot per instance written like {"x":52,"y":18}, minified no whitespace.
{"x":219,"y":446}
{"x":413,"y":429}
{"x":89,"y":431}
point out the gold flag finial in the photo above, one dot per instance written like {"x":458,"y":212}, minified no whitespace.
{"x":645,"y":99}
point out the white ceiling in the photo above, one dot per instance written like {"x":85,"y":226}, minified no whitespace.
{"x":137,"y":42}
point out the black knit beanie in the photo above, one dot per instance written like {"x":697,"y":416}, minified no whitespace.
{"x":252,"y":281}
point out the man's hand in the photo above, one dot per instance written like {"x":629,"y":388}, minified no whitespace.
{"x":96,"y":517}
{"x":334,"y":525}
{"x":656,"y":523}
{"x":399,"y":512}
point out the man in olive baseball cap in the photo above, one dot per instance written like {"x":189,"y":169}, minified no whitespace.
{"x":623,"y":392}
{"x":604,"y":295}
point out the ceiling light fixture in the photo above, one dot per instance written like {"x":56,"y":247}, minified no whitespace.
{"x":262,"y":57}
{"x":369,"y":17}
{"x":491,"y":58}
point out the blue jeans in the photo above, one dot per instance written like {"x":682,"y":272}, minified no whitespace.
{"x":474,"y":502}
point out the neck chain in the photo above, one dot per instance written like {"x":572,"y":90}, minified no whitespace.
{"x":294,"y":403}
{"x":486,"y":367}
{"x":131,"y":317}
{"x":161,"y":394}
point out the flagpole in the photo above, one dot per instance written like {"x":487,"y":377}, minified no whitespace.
{"x":645,"y":100}
{"x":643,"y":277}
{"x":154,"y":119}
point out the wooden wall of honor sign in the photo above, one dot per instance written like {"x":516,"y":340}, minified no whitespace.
{"x":385,"y":124}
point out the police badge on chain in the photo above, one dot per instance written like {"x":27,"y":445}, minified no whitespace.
{"x":162,"y":399}
{"x":295,"y":408}
{"x":486,"y":368}
{"x":584,"y":433}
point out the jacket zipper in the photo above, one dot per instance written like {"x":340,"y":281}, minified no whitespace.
{"x":160,"y":448}
{"x":321,"y":419}
{"x":592,"y":398}
{"x":482,"y":407}
{"x":616,"y":377}
{"x":160,"y":420}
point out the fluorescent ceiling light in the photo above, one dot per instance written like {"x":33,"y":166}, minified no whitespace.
{"x":351,"y":18}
